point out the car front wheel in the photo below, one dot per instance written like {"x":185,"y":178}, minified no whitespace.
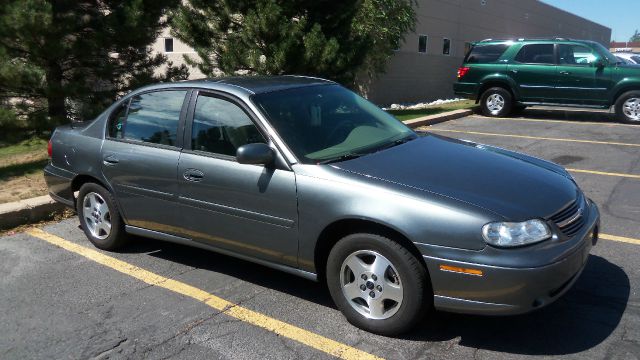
{"x":628,"y":107}
{"x":99,"y":217}
{"x":496,"y":102}
{"x":378,"y":284}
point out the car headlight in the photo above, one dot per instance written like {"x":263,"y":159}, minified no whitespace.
{"x":509,"y":234}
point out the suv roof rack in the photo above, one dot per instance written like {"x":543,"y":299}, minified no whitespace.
{"x":528,"y":38}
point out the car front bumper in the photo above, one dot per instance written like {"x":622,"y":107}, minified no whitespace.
{"x":506,"y":290}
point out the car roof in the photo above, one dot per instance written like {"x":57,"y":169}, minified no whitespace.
{"x":535,"y":40}
{"x":247,"y":85}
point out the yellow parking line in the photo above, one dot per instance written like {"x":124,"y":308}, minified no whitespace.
{"x":535,"y":137}
{"x":281,"y":328}
{"x":619,"y":239}
{"x":558,"y":121}
{"x":604,"y":173}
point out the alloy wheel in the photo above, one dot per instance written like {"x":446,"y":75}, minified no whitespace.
{"x":371,"y":284}
{"x":96,"y":215}
{"x":631,"y":109}
{"x":495,"y":103}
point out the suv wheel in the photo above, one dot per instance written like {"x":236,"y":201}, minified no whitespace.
{"x":99,"y":217}
{"x":496,"y":102}
{"x":378,"y":284}
{"x":628,"y":107}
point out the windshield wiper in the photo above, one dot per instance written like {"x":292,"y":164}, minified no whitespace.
{"x":344,"y":157}
{"x":404,"y":140}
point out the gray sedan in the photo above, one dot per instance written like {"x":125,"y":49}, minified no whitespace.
{"x":303,"y":175}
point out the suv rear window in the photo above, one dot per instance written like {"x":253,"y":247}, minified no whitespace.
{"x":485,"y":53}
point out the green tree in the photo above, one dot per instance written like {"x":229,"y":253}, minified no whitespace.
{"x":339,"y":40}
{"x":65,"y":59}
{"x":635,"y":37}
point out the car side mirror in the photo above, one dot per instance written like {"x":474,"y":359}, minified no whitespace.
{"x":255,"y":154}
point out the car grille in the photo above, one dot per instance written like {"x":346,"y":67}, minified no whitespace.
{"x":571,"y":218}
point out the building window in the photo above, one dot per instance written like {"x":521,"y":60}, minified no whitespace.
{"x":168,"y":44}
{"x":422,"y":44}
{"x":446,"y":46}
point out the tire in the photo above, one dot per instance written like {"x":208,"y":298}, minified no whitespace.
{"x":628,"y":107}
{"x":96,"y":210}
{"x":496,"y":102}
{"x":405,"y":279}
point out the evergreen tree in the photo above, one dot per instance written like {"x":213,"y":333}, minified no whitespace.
{"x":65,"y":59}
{"x":635,"y":37}
{"x":339,"y":40}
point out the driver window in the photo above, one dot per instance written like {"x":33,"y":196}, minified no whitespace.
{"x":221,"y":127}
{"x":576,"y":55}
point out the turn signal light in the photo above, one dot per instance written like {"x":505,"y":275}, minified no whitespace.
{"x":461,"y":270}
{"x":462,"y":71}
{"x":50,"y":149}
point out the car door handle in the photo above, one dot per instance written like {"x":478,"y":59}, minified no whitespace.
{"x":565,"y":73}
{"x":194,"y":175}
{"x":110,"y":160}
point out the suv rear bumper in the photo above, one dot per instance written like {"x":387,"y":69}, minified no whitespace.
{"x":466,"y":90}
{"x":509,"y":290}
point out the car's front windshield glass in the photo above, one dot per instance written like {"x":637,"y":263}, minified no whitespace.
{"x":327,"y":123}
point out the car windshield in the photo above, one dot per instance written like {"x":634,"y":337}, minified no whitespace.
{"x":327,"y":123}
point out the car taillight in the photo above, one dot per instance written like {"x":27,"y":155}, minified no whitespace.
{"x":50,"y":148}
{"x":462,"y":71}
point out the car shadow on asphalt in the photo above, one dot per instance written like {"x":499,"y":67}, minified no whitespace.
{"x":581,"y":319}
{"x":572,"y":115}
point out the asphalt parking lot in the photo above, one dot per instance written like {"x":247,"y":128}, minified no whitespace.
{"x":61,"y":298}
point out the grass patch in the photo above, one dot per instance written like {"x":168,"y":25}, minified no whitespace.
{"x":21,"y":165}
{"x":404,"y":115}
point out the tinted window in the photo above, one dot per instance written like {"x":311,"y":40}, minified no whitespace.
{"x":153,"y":117}
{"x":576,"y":55}
{"x":636,"y":59}
{"x":422,"y":44}
{"x":446,"y":47}
{"x":536,"y":54}
{"x":485,"y":53}
{"x":221,"y":127}
{"x":116,"y":121}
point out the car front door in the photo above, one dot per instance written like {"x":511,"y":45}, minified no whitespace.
{"x":534,"y":71}
{"x":247,"y":209}
{"x":140,"y":158}
{"x":580,"y":79}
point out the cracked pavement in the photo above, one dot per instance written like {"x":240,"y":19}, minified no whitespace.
{"x":57,"y":304}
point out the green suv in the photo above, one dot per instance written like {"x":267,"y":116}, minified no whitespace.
{"x":508,"y":75}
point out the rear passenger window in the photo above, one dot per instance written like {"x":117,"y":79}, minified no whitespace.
{"x":536,"y":54}
{"x":481,"y":54}
{"x":221,"y":127}
{"x":153,"y":117}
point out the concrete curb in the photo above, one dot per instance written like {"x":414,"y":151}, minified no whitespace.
{"x":438,"y":118}
{"x":28,"y":211}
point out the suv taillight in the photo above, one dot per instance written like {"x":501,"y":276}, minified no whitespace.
{"x":50,"y":148}
{"x":462,"y":71}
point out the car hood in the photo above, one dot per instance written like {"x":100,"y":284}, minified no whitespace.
{"x":512,"y":185}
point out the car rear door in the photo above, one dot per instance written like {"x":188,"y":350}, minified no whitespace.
{"x":140,"y":158}
{"x":247,"y":209}
{"x":534,"y":71}
{"x":580,"y":81}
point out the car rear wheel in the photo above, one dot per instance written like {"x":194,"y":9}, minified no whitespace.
{"x":628,"y":107}
{"x":496,"y":102}
{"x":99,"y":217}
{"x":378,"y":284}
